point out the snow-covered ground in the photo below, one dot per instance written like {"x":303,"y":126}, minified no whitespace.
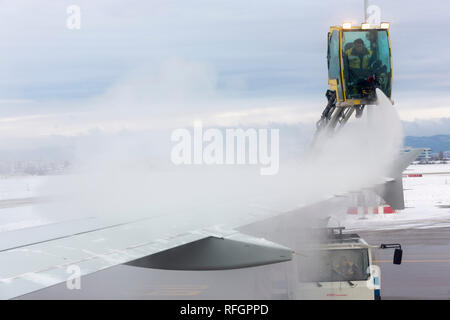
{"x":428,"y":168}
{"x":427,"y":201}
{"x":20,"y":187}
{"x":20,"y":201}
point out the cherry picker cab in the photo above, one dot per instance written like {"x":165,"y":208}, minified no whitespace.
{"x":359,"y":62}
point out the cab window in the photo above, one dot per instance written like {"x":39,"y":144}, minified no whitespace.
{"x":366,"y":54}
{"x":334,"y":265}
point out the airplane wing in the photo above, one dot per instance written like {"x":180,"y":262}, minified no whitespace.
{"x":44,"y":258}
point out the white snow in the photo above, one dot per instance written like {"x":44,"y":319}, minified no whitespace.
{"x":19,"y":187}
{"x":427,"y":201}
{"x":14,"y":215}
{"x":428,"y":168}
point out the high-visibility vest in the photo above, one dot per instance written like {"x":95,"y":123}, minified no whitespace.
{"x":354,"y":61}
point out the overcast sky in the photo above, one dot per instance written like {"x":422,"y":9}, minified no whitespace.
{"x":135,"y":64}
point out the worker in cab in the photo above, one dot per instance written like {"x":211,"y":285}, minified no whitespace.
{"x":343,"y":270}
{"x":346,"y":270}
{"x":358,"y":59}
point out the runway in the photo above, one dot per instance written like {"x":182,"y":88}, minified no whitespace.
{"x":425,"y":270}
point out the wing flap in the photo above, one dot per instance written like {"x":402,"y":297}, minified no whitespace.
{"x":217,"y":253}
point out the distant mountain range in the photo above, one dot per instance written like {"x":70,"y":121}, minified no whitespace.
{"x":436,"y":143}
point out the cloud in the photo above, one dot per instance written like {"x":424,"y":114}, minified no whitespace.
{"x":428,"y":127}
{"x":272,"y":49}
